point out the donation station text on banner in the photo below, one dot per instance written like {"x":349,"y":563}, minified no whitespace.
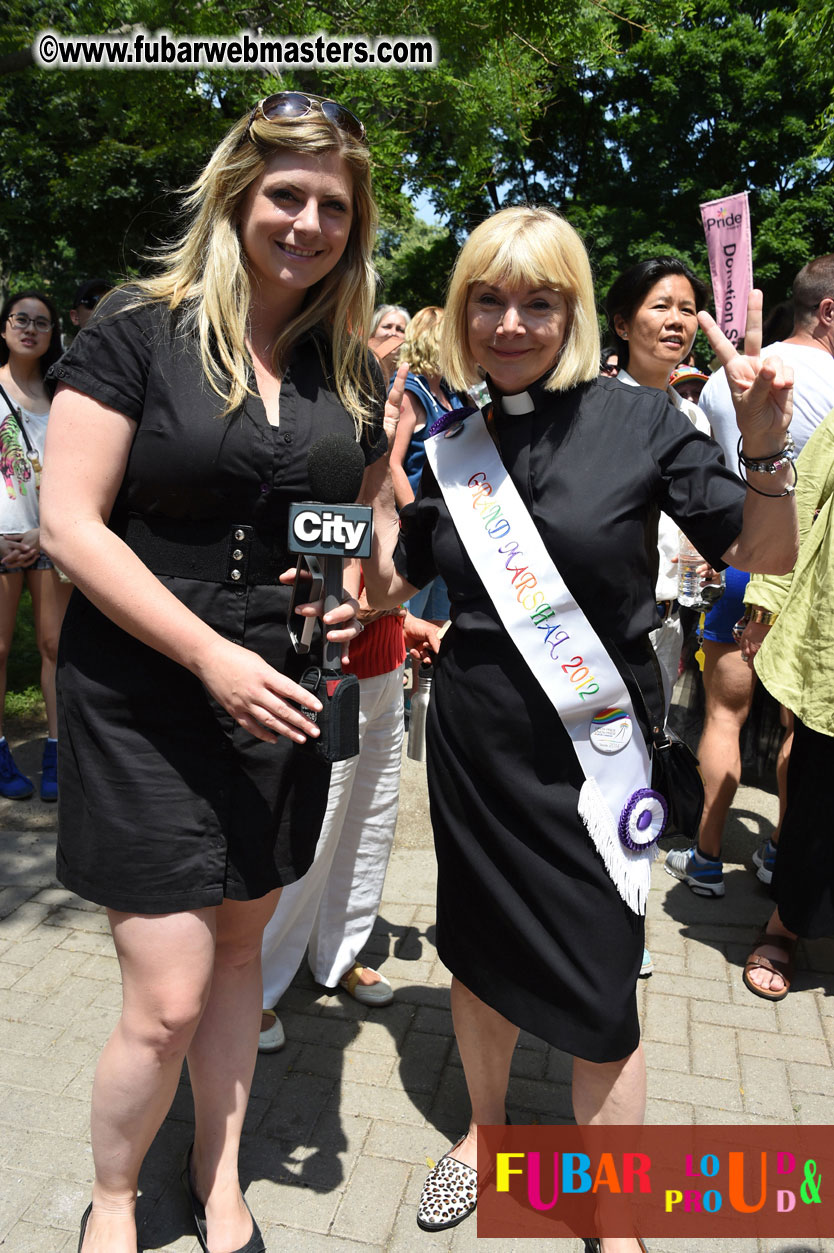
{"x":727,"y":228}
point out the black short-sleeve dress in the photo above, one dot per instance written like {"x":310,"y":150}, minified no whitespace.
{"x":165,"y":803}
{"x":527,"y":915}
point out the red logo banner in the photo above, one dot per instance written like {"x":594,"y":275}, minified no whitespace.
{"x":712,"y":1182}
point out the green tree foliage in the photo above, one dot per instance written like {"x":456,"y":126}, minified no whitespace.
{"x":625,"y":120}
{"x":726,"y":101}
{"x":89,"y":159}
{"x":414,"y":264}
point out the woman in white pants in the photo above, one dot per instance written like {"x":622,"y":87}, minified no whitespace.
{"x":331,"y":911}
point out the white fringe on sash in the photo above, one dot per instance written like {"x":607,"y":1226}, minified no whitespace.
{"x":631,"y":872}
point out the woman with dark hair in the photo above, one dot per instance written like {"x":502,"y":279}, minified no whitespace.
{"x":179,"y":440}
{"x":30,"y":342}
{"x":652,"y":312}
{"x":540,"y":518}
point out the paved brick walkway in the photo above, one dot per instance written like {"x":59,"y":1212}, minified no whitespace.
{"x":341,"y":1123}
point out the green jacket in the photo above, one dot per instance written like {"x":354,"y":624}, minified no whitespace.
{"x":796,"y":660}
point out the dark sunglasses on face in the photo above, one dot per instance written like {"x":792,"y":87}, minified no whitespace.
{"x":609,"y":369}
{"x":22,"y":322}
{"x":89,"y":302}
{"x":295,"y":104}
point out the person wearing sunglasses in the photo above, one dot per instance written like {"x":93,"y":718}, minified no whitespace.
{"x":87,"y":295}
{"x":30,"y":341}
{"x":190,"y":788}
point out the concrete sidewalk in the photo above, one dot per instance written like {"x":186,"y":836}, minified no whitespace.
{"x":342,"y":1122}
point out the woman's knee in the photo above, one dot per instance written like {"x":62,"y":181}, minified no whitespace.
{"x":238,"y":952}
{"x":48,"y":645}
{"x":166,"y":1027}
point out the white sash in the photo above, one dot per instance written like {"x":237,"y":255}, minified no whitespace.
{"x":624,"y":817}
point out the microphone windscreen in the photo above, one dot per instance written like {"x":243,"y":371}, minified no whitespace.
{"x":335,"y":467}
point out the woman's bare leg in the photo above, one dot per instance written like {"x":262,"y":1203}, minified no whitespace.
{"x":486,"y":1041}
{"x":783,"y":759}
{"x":11,"y":586}
{"x":166,"y":963}
{"x":221,"y":1061}
{"x":611,"y":1093}
{"x":728,"y":686}
{"x":50,"y":597}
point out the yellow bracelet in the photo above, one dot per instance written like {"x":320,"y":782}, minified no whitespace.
{"x":755,"y":613}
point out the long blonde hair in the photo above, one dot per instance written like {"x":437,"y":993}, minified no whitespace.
{"x":206,"y":274}
{"x":524,"y":247}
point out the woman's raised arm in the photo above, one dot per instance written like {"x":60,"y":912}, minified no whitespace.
{"x":384,"y":586}
{"x":762,"y":393}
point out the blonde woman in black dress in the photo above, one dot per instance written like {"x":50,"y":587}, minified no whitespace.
{"x":536,"y":930}
{"x":189,"y":793}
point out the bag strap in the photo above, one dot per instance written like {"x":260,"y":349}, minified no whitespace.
{"x":15,"y":412}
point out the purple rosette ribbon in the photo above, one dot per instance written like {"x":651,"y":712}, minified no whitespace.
{"x":448,"y":419}
{"x":643,"y":819}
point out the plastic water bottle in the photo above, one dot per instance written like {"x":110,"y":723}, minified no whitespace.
{"x":689,"y":581}
{"x":419,"y":709}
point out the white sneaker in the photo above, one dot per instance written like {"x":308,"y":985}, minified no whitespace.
{"x":764,"y":859}
{"x":704,"y":878}
{"x":273,"y":1038}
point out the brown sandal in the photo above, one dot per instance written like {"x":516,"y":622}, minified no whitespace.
{"x":782,"y":966}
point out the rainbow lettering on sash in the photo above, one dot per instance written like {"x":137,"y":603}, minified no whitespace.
{"x":525,"y":583}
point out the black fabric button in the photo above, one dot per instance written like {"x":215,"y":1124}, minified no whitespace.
{"x":288,"y":438}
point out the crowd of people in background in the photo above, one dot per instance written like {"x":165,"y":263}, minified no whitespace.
{"x":133,"y":478}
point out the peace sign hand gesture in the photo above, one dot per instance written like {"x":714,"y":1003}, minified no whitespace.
{"x":762,"y":391}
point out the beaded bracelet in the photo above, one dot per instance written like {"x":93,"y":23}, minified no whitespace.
{"x":789,"y":490}
{"x":769,"y":465}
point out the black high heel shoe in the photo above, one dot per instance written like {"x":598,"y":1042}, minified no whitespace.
{"x":255,"y":1243}
{"x":85,"y":1218}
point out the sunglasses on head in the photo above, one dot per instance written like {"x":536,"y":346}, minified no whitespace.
{"x":295,"y":104}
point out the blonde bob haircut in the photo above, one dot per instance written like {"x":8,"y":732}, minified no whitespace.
{"x":531,"y":248}
{"x":421,"y":346}
{"x":205,"y":272}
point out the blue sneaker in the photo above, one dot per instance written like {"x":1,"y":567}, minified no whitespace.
{"x":646,"y":965}
{"x":705,"y":878}
{"x":764,"y":859}
{"x":49,"y":771}
{"x":13,"y":785}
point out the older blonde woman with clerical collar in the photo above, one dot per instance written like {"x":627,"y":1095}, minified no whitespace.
{"x":540,"y":914}
{"x":179,"y":438}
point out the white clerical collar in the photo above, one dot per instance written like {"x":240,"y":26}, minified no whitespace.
{"x":522,"y":402}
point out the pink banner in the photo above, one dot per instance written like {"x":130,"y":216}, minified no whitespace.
{"x":729,"y":244}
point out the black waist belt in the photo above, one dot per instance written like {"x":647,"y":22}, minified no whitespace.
{"x":213,"y":552}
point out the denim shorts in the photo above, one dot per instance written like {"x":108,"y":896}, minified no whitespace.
{"x":42,"y":563}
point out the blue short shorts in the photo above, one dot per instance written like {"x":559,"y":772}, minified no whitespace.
{"x":720,"y":620}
